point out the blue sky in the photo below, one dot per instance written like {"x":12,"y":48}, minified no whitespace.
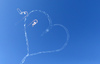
{"x":81,"y":18}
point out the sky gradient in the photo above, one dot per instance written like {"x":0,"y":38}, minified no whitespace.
{"x":81,"y":18}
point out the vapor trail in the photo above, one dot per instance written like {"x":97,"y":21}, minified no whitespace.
{"x":47,"y":30}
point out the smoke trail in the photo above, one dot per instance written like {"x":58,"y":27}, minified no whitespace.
{"x":47,"y":30}
{"x":57,"y":50}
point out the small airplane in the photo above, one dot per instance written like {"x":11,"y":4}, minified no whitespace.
{"x":34,"y":22}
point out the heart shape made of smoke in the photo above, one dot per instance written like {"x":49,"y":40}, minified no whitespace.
{"x":41,"y":35}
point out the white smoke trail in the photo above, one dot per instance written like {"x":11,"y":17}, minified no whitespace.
{"x":57,"y":50}
{"x":49,"y":27}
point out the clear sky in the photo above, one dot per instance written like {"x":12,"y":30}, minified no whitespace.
{"x":80,"y":17}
